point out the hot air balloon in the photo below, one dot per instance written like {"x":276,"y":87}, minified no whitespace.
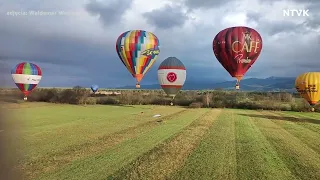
{"x":94,"y":88}
{"x":237,"y":48}
{"x":138,"y":50}
{"x":172,"y":75}
{"x":26,"y":76}
{"x":308,"y":86}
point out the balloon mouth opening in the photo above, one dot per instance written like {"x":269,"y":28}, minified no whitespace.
{"x":138,"y":77}
{"x":238,"y":78}
{"x":313,"y":103}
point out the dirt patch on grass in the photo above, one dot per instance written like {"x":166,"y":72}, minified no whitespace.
{"x":170,"y":155}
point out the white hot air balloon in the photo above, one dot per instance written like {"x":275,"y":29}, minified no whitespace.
{"x":172,"y":75}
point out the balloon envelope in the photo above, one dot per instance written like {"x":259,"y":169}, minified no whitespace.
{"x":237,"y":48}
{"x":172,"y":75}
{"x":26,"y":76}
{"x":308,"y":86}
{"x":94,"y":88}
{"x":138,"y":50}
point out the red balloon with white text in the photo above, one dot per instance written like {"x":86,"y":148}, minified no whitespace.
{"x":237,"y":48}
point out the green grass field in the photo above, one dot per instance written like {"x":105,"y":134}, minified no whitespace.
{"x":126,"y":142}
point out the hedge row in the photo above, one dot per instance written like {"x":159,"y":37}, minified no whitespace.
{"x":195,"y":99}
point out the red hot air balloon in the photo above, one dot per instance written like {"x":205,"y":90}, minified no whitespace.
{"x":237,"y":48}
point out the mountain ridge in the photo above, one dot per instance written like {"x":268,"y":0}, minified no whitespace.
{"x":250,"y":84}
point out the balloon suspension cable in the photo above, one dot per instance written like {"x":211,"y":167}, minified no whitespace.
{"x":172,"y":101}
{"x":237,"y":85}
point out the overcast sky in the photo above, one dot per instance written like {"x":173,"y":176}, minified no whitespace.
{"x":79,"y":48}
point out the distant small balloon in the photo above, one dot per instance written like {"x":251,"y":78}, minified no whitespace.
{"x":26,"y":76}
{"x":94,"y":88}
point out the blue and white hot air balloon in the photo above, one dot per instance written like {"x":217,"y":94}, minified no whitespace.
{"x":94,"y":88}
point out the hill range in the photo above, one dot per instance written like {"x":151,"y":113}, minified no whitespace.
{"x":250,"y":84}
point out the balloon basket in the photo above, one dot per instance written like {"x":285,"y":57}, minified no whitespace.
{"x":138,"y":86}
{"x":25,"y":98}
{"x":237,"y":87}
{"x":312,"y":109}
{"x":171,"y":104}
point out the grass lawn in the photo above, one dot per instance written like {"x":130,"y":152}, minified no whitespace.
{"x":126,"y":142}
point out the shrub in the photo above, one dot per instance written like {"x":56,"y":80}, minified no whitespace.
{"x":196,"y":105}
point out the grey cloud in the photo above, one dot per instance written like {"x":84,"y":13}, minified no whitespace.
{"x":66,"y":60}
{"x":206,"y":4}
{"x":287,"y":58}
{"x":53,"y":50}
{"x":110,"y":13}
{"x":273,"y":28}
{"x":291,"y":56}
{"x":167,"y":17}
{"x":63,"y":60}
{"x":314,"y":21}
{"x":36,"y":5}
{"x":276,"y":27}
{"x":254,"y":16}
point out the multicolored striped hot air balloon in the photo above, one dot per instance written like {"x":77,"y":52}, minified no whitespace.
{"x":138,"y":50}
{"x":172,"y":75}
{"x":26,"y":76}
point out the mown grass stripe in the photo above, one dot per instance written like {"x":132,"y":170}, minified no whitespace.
{"x":256,"y":158}
{"x":169,"y":156}
{"x":307,"y":136}
{"x":52,"y":161}
{"x":302,"y":161}
{"x":78,"y":125}
{"x":306,"y":120}
{"x":215,"y":157}
{"x":102,"y":165}
{"x":313,"y":115}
